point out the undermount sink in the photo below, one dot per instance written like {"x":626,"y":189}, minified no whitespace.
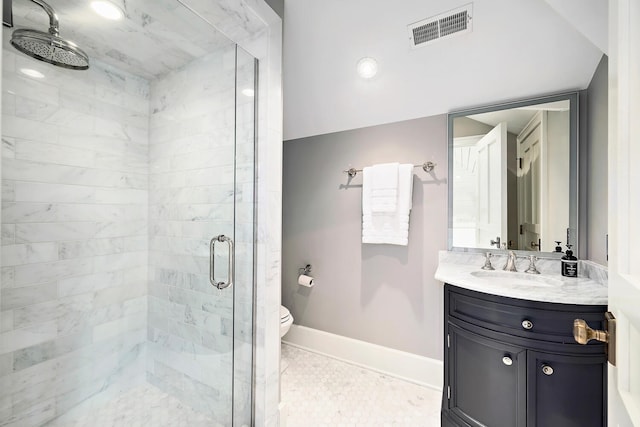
{"x":514,"y":278}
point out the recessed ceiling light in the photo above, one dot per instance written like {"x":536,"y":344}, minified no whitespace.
{"x":247,"y":92}
{"x":32,"y":73}
{"x":107,"y":10}
{"x":367,"y":68}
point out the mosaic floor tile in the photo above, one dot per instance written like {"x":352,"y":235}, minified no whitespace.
{"x":321,"y":391}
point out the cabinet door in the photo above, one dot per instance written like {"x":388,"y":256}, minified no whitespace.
{"x":486,"y":380}
{"x":566,"y":391}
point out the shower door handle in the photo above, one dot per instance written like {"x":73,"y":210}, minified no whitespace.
{"x":212,"y":267}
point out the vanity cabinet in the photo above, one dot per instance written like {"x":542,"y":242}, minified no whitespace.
{"x":514,"y":363}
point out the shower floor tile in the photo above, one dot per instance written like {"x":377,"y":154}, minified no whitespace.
{"x":321,"y":391}
{"x":144,"y":405}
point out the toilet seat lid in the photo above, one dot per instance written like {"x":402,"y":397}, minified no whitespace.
{"x":284,"y":313}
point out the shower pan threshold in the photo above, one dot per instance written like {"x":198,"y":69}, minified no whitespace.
{"x":143,"y":405}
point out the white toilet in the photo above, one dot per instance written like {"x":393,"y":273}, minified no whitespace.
{"x":286,"y":319}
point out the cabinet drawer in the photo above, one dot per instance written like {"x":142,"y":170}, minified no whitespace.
{"x":528,"y":319}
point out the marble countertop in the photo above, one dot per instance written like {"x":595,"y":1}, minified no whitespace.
{"x":590,"y":288}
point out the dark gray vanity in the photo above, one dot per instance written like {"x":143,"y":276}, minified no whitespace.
{"x":510,"y":362}
{"x":510,"y":356}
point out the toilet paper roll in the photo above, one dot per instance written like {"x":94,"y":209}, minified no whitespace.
{"x":305,"y":280}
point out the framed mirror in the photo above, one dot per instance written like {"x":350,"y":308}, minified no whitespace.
{"x":513,"y":175}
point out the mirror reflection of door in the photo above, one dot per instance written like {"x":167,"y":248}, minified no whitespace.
{"x":543,"y":181}
{"x":464,"y":205}
{"x":524,"y":193}
{"x":529,"y":200}
{"x":492,"y":187}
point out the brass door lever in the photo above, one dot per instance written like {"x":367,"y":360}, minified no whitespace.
{"x":582,"y":333}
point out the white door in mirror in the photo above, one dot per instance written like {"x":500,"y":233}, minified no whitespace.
{"x":529,"y":188}
{"x":492,"y":186}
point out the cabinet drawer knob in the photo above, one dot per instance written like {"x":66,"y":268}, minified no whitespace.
{"x":507,"y":361}
{"x":547,"y":370}
{"x":527,"y":324}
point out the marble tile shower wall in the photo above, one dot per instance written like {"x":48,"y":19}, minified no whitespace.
{"x":190,"y":335}
{"x":74,"y":234}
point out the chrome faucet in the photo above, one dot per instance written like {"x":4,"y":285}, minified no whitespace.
{"x":487,"y":262}
{"x":511,"y":262}
{"x":532,"y":265}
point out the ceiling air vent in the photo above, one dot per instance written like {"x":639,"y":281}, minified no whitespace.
{"x":457,"y":21}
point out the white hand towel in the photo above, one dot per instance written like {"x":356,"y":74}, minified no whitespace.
{"x":384,"y":187}
{"x":387,"y":227}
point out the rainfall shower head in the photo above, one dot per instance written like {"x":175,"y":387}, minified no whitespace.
{"x":49,"y":47}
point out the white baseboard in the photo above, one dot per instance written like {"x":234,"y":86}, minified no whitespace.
{"x":407,"y":366}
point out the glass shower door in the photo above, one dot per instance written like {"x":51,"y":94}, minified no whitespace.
{"x":245,"y":232}
{"x":202,"y":245}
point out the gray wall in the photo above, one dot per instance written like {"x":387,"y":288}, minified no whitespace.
{"x":596,"y":170}
{"x":383,"y":294}
{"x":277,"y":6}
{"x":386,"y":294}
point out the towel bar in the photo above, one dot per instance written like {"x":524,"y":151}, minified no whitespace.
{"x":427,"y":167}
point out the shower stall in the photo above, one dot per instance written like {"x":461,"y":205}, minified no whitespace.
{"x":128,"y":217}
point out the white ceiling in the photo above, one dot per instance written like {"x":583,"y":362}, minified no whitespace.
{"x":518,"y":49}
{"x":590,"y":17}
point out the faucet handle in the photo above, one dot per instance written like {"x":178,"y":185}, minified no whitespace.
{"x":487,"y":262}
{"x":532,"y":265}
{"x":511,"y":262}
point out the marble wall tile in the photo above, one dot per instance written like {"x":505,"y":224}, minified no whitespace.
{"x":53,"y":173}
{"x":54,"y":231}
{"x":34,"y":355}
{"x":60,"y":193}
{"x":21,"y":338}
{"x":8,"y":191}
{"x":89,"y":283}
{"x":33,"y":109}
{"x":35,"y":415}
{"x":91,"y":247}
{"x":29,"y":253}
{"x":28,"y":295}
{"x":8,"y":277}
{"x":29,"y":130}
{"x":6,"y":364}
{"x":33,"y":314}
{"x":8,"y":143}
{"x":116,"y":327}
{"x":74,"y":225}
{"x":30,"y":88}
{"x":8,"y":234}
{"x":6,"y":320}
{"x":41,"y":272}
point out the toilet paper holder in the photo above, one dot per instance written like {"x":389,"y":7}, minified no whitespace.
{"x":305,"y":270}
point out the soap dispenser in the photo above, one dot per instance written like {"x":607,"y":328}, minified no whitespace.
{"x":569,"y":263}
{"x":558,"y":247}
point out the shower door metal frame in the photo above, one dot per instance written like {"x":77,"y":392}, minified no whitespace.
{"x":254,"y":311}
